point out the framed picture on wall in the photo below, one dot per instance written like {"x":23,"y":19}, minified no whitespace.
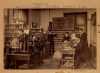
{"x":63,"y":23}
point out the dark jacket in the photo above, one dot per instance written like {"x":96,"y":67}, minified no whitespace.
{"x":82,"y":50}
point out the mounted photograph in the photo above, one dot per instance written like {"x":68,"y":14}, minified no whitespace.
{"x":50,"y":38}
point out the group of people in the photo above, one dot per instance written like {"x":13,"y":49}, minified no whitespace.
{"x":80,"y":44}
{"x":38,"y":43}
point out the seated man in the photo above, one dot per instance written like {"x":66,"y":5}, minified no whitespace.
{"x":66,"y":41}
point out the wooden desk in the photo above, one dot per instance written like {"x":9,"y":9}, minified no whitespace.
{"x":16,"y":58}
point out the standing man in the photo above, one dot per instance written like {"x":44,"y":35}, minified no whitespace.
{"x":42,"y":42}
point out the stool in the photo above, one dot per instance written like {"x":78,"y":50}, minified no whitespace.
{"x":68,"y":58}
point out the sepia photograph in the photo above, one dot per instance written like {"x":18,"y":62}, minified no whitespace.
{"x":50,"y":38}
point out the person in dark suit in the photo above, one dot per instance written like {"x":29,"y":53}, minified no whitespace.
{"x":82,"y":51}
{"x":51,"y":41}
{"x":40,"y":45}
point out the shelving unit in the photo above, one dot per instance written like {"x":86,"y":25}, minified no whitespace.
{"x":16,"y":21}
